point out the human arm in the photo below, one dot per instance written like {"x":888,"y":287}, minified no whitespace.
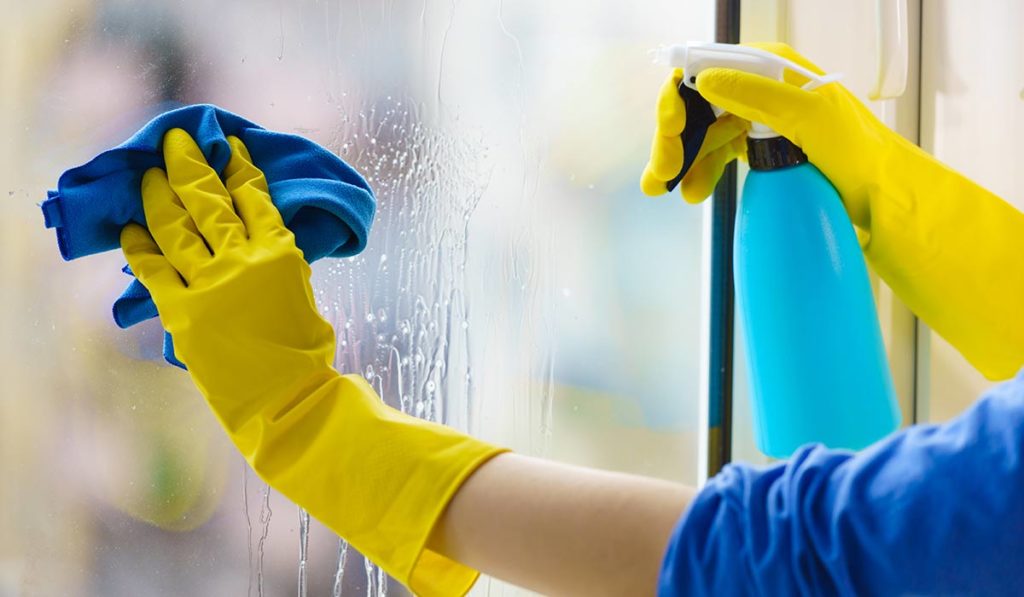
{"x":931,"y":510}
{"x":947,"y":247}
{"x":234,"y":292}
{"x":562,"y":530}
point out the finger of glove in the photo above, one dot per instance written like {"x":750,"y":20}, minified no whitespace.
{"x":202,"y":192}
{"x":667,"y":145}
{"x":171,"y":225}
{"x":671,"y":108}
{"x":700,"y":181}
{"x":248,"y":188}
{"x":667,"y":153}
{"x":777,"y":104}
{"x":651,"y":184}
{"x":724,"y":131}
{"x":148,"y":263}
{"x":666,"y":157}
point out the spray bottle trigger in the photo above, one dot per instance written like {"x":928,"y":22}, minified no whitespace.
{"x":699,"y":116}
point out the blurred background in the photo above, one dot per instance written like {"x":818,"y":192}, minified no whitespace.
{"x":516,"y":285}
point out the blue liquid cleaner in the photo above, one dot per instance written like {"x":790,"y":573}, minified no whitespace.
{"x":818,"y":369}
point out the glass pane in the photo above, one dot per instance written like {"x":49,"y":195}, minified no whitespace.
{"x":516,"y":285}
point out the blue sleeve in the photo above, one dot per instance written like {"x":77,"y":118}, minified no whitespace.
{"x":933,"y":509}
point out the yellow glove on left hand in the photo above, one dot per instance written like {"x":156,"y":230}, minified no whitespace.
{"x":725,"y":140}
{"x":233,"y":290}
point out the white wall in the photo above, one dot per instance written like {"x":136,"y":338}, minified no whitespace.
{"x":972,"y":118}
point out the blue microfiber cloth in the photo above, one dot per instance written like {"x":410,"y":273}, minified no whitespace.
{"x":323,"y":200}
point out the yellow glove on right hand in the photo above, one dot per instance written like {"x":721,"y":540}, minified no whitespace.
{"x":952,"y":251}
{"x":233,"y":290}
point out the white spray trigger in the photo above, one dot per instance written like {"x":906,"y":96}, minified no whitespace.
{"x":695,"y":57}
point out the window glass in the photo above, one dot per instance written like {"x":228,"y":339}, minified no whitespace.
{"x":516,"y":284}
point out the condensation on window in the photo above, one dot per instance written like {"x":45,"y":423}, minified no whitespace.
{"x":403,"y":309}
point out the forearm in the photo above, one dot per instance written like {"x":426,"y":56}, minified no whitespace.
{"x":562,"y":530}
{"x":954,"y":253}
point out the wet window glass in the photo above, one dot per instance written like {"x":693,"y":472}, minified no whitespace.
{"x":516,"y":284}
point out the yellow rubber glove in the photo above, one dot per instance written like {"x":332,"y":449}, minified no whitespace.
{"x":952,"y":251}
{"x":233,"y":290}
{"x":726,"y":139}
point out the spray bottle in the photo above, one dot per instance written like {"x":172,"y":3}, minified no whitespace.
{"x":817,"y":364}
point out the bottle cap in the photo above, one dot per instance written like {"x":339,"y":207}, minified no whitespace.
{"x":772,"y":153}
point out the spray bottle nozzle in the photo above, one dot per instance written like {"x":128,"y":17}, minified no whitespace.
{"x":696,"y":57}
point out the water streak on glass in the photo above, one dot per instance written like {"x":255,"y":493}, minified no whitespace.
{"x":339,"y":573}
{"x":382,"y":583}
{"x":371,"y":578}
{"x":303,"y":551}
{"x":280,"y":19}
{"x":248,"y":523}
{"x":444,"y":47}
{"x":264,"y":519}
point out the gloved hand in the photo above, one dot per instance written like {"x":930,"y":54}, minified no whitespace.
{"x":233,"y":290}
{"x":725,"y":140}
{"x":950,"y":250}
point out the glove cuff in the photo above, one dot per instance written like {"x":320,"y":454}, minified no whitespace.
{"x":952,"y":251}
{"x":377,"y":477}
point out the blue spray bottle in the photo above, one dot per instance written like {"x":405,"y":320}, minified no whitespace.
{"x":817,"y":364}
